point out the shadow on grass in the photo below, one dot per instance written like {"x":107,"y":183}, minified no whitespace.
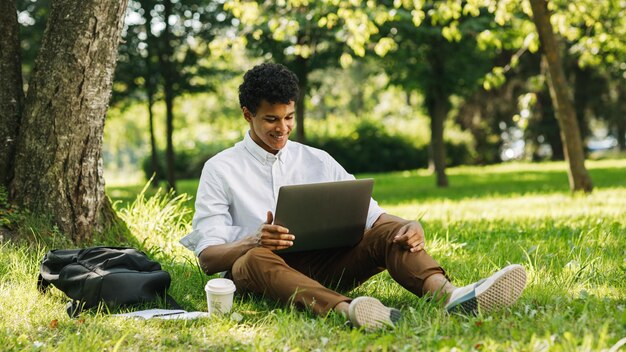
{"x":402,"y":187}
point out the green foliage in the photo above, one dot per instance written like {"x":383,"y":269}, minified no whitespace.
{"x":205,"y":126}
{"x":32,"y":18}
{"x":187,"y":164}
{"x":20,"y":224}
{"x":317,"y":30}
{"x":11,"y":216}
{"x":162,"y":49}
{"x":367,"y":146}
{"x":155,"y":221}
{"x":370,"y":148}
{"x":435,"y":54}
{"x":460,"y":153}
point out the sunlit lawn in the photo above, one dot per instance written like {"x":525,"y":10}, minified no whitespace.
{"x":572,"y":246}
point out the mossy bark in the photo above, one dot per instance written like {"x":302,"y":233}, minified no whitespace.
{"x":58,"y":162}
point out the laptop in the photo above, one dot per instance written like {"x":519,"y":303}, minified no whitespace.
{"x":324,"y":215}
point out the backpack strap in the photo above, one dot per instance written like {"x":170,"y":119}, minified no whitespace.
{"x":52,"y":264}
{"x":171,"y":302}
{"x":42,"y":284}
{"x":73,"y":308}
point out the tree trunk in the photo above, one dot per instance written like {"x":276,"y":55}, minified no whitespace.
{"x":154,"y":161}
{"x":58,"y":163}
{"x":11,"y":93}
{"x":302,"y":71}
{"x":579,"y":178}
{"x":549,"y":123}
{"x":438,"y":106}
{"x":619,"y":117}
{"x":150,"y":86}
{"x":621,"y":135}
{"x":169,"y":149}
{"x":165,"y":58}
{"x":438,"y":110}
{"x":582,"y":93}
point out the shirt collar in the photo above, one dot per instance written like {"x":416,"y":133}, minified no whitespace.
{"x":261,"y":154}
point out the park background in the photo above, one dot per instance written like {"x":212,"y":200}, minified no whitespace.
{"x":446,"y":104}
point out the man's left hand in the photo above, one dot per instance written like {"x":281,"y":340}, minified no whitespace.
{"x":411,"y":236}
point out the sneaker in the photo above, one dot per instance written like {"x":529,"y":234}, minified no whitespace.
{"x":499,"y":290}
{"x":369,"y":313}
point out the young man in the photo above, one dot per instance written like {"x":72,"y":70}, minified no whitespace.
{"x":233,"y":230}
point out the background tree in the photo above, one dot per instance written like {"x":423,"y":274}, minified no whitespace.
{"x":486,"y":112}
{"x":437,"y":55}
{"x":136,"y":76}
{"x":11,"y":93}
{"x":165,"y":55}
{"x":58,"y":167}
{"x":593,"y":33}
{"x":617,"y":114}
{"x":579,"y":178}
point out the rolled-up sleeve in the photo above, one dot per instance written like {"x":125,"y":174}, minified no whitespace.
{"x":212,"y":222}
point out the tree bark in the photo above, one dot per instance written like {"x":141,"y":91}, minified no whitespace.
{"x":170,"y":156}
{"x":11,"y":93}
{"x":58,"y":163}
{"x":621,"y":135}
{"x":438,"y":110}
{"x":154,"y":161}
{"x":619,"y":117}
{"x":438,"y":106}
{"x":302,"y":72}
{"x":579,"y":179}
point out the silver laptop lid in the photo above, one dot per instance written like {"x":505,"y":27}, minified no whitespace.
{"x":324,"y":215}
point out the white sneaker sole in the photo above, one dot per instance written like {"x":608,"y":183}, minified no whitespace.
{"x":500,"y":290}
{"x":371,"y":314}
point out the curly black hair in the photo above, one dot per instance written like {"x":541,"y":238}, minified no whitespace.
{"x":271,"y":82}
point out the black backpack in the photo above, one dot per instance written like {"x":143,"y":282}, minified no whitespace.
{"x":113,"y":275}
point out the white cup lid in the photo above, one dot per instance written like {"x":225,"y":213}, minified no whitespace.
{"x":220,"y":286}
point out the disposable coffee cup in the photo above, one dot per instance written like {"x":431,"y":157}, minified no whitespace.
{"x":219,"y":296}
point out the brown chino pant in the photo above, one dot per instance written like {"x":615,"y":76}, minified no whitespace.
{"x":303,"y":278}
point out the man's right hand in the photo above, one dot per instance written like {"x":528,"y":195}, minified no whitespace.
{"x":273,"y":237}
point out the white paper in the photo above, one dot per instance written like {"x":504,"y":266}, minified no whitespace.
{"x":163,"y":314}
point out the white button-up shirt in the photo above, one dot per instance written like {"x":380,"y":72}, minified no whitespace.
{"x":240,"y":184}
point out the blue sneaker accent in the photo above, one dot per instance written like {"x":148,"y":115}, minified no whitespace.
{"x":502,"y":289}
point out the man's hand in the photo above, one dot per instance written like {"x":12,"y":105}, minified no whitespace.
{"x":273,"y":237}
{"x":411,"y":236}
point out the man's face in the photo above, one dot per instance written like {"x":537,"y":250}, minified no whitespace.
{"x":271,"y":125}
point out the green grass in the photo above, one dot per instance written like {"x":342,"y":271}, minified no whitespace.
{"x":572,"y":246}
